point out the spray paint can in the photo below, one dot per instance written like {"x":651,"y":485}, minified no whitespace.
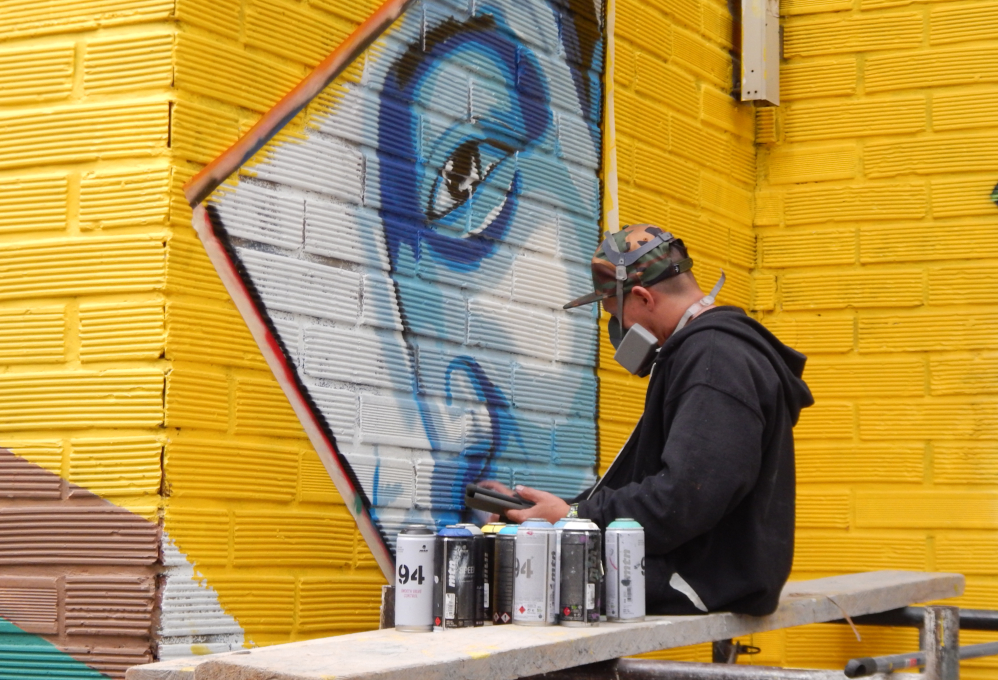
{"x":491,"y":532}
{"x":454,"y":601}
{"x":480,"y":562}
{"x":505,"y":575}
{"x":559,"y":526}
{"x":625,"y":571}
{"x":536,"y":572}
{"x":415,"y":552}
{"x":581,"y":573}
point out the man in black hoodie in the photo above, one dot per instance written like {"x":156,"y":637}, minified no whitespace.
{"x":709,"y":469}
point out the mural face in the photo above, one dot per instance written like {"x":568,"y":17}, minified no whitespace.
{"x":412,"y":252}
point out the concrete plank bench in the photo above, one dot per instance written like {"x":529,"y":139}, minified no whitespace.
{"x":508,"y":652}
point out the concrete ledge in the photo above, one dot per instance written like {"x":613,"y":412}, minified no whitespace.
{"x":508,"y":652}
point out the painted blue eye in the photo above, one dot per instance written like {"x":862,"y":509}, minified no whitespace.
{"x":467,"y":167}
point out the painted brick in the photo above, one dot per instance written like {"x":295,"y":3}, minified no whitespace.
{"x":701,"y":58}
{"x":921,"y":332}
{"x":838,"y":552}
{"x":940,"y":155}
{"x":812,"y":247}
{"x":964,"y":111}
{"x":763,"y":292}
{"x":822,"y":509}
{"x":77,"y":399}
{"x":925,"y":241}
{"x":660,"y":171}
{"x":962,"y":23}
{"x":866,"y":118}
{"x":963,"y":285}
{"x":821,"y":462}
{"x":935,"y":418}
{"x":125,"y":198}
{"x":202,"y":533}
{"x":26,"y":17}
{"x":813,"y":333}
{"x":219,"y":70}
{"x":218,"y":16}
{"x":125,"y":466}
{"x":826,"y":420}
{"x":290,"y":30}
{"x":819,"y":78}
{"x":724,"y":197}
{"x":658,"y":80}
{"x":718,"y":24}
{"x":964,"y":463}
{"x":871,"y":377}
{"x":918,"y":509}
{"x":294,"y":539}
{"x":797,"y":7}
{"x":33,"y":203}
{"x":217,"y":468}
{"x":853,"y":288}
{"x":721,"y":109}
{"x":931,"y":68}
{"x":314,"y":483}
{"x":768,"y":208}
{"x":962,"y":197}
{"x":41,"y":74}
{"x":812,"y":164}
{"x":873,"y":202}
{"x":340,"y":605}
{"x":197,"y":397}
{"x":200,"y":133}
{"x":823,"y":645}
{"x":36,"y":335}
{"x":88,"y":132}
{"x":859,"y":33}
{"x":189,"y":271}
{"x":130,"y":331}
{"x":262,"y":409}
{"x":971,"y":554}
{"x":266,"y":603}
{"x":126,"y":64}
{"x":646,"y":27}
{"x":641,"y":120}
{"x":210,"y":332}
{"x":976,"y":374}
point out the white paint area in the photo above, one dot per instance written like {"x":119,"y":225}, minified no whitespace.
{"x":192,"y":622}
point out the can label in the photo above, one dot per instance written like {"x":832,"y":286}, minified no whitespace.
{"x":535,"y":574}
{"x":414,"y":556}
{"x":581,"y":574}
{"x":625,"y":578}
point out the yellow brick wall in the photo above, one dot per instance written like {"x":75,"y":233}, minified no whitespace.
{"x":248,"y":499}
{"x":874,"y":221}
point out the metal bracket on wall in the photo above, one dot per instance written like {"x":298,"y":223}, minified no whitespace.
{"x":761,"y":50}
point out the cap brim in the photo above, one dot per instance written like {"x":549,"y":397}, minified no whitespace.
{"x":588,"y":299}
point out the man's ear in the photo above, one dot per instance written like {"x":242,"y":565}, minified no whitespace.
{"x":645,"y":295}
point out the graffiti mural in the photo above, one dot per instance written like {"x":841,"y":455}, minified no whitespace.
{"x":410,"y":248}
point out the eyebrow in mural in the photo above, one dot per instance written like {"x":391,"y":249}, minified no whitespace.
{"x":402,"y":261}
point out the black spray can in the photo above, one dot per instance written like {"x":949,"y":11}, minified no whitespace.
{"x":454,"y":601}
{"x":505,"y":571}
{"x":479,"y":560}
{"x":491,"y":531}
{"x":581,"y":573}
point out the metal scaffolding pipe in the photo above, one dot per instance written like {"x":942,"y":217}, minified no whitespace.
{"x":649,"y":669}
{"x":912,"y":617}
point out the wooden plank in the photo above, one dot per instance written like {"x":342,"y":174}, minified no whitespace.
{"x":508,"y":652}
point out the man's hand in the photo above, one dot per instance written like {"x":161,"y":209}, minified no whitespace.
{"x":546,"y":506}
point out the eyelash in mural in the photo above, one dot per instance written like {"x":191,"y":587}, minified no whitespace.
{"x":466,"y":169}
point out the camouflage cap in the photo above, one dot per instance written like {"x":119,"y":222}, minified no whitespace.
{"x":647,"y":268}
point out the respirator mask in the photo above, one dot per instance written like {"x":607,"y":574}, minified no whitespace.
{"x":636,"y":347}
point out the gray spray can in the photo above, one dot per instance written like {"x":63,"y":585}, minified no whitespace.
{"x":536,"y":574}
{"x":415,"y":552}
{"x":625,"y":571}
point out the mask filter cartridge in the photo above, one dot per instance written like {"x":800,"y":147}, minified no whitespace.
{"x":636,"y":350}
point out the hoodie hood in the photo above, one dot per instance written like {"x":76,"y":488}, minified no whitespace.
{"x":788,"y":363}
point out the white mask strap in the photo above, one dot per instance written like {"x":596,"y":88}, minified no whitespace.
{"x":700,"y":304}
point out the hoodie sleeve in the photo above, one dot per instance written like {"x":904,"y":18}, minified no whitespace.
{"x":710,"y":461}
